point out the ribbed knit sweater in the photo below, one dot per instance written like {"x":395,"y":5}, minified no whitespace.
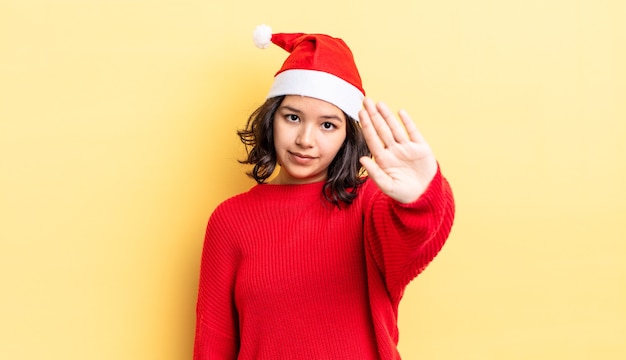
{"x":287,"y":275}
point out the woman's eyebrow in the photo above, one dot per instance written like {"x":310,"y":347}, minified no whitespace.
{"x":331,"y":117}
{"x":287,"y":107}
{"x":294,"y":110}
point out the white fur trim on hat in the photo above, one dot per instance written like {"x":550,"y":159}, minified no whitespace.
{"x":320,"y":85}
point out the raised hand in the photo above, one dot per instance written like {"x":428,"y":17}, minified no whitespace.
{"x":403,"y":164}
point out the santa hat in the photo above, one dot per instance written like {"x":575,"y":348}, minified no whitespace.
{"x":318,"y":66}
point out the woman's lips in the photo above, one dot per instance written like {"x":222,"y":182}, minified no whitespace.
{"x":302,"y":159}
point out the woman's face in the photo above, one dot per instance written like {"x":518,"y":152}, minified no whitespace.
{"x":308,"y":133}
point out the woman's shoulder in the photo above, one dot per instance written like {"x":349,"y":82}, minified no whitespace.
{"x":262,"y":196}
{"x":235,"y":203}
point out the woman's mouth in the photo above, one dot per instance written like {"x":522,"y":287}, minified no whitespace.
{"x":302,"y":159}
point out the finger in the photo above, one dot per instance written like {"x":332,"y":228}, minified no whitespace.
{"x":374,"y":143}
{"x":380,"y":124}
{"x":398,"y":132}
{"x":414,"y":134}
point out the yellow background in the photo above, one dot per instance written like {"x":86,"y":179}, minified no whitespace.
{"x":117,"y":140}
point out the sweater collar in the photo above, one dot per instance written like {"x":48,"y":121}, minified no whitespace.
{"x":298,"y":191}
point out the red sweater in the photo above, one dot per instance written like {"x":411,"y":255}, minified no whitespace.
{"x":287,"y":275}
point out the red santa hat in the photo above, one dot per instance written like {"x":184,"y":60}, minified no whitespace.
{"x":318,"y":66}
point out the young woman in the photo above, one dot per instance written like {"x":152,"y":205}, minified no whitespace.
{"x":312,"y":263}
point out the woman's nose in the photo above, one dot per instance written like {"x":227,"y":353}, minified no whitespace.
{"x":306,"y":137}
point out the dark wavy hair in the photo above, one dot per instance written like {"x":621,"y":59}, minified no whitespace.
{"x":345,"y":173}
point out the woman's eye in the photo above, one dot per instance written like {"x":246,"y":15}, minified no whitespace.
{"x":292,"y":117}
{"x":328,"y":125}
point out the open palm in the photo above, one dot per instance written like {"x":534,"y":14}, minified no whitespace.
{"x":403,"y":163}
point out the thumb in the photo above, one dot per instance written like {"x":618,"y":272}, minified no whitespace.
{"x":374,"y":171}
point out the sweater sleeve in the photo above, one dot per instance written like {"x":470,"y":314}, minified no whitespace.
{"x":217,"y":333}
{"x":404,"y":238}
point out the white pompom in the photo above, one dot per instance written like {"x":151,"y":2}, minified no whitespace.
{"x":262,"y":36}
